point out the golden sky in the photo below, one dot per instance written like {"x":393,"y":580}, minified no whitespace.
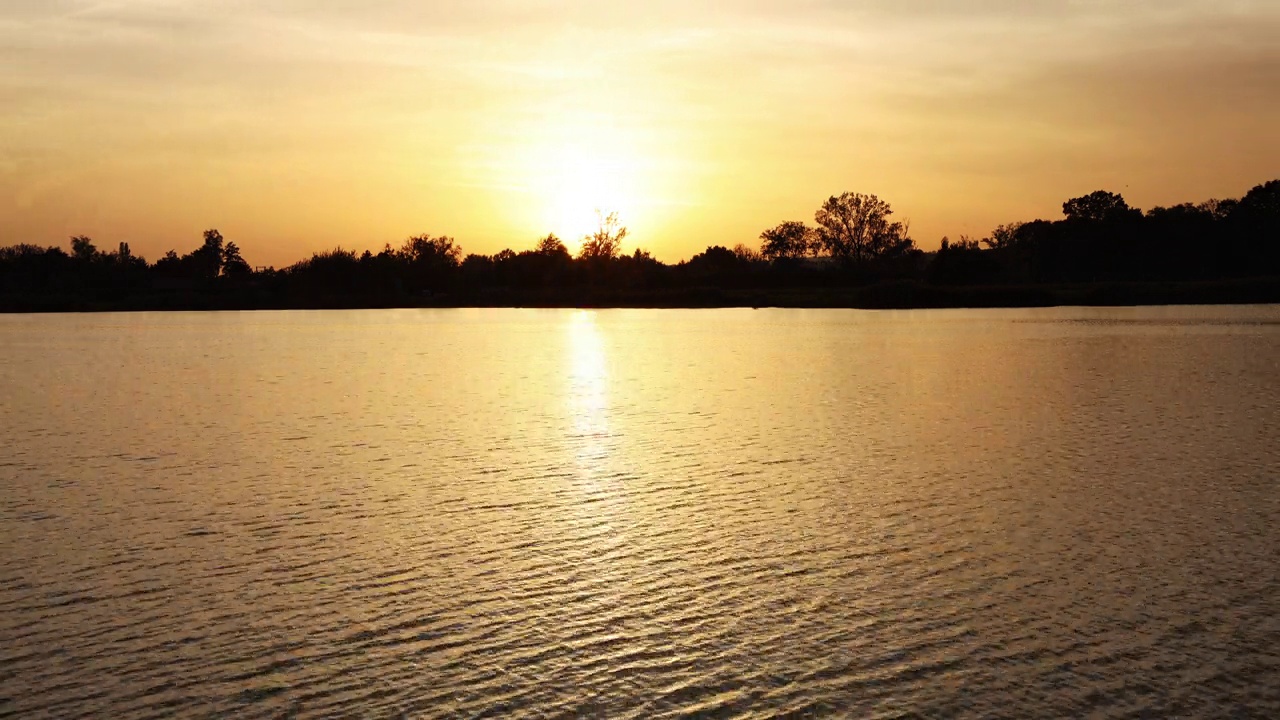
{"x":300,"y":125}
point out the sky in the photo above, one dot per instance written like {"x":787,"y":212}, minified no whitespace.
{"x":295,"y":126}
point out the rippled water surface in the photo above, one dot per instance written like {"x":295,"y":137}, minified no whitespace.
{"x":635,"y":514}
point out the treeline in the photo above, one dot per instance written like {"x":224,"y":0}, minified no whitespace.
{"x":854,"y":254}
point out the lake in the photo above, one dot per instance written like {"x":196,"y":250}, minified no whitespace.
{"x":641,"y":513}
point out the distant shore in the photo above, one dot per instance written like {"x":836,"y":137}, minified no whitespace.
{"x":1103,"y":252}
{"x":903,"y":295}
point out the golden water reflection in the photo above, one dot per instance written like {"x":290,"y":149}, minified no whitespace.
{"x":587,"y":393}
{"x":637,"y":513}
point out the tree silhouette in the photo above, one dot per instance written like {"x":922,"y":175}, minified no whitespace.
{"x":1003,"y":236}
{"x":427,"y":250}
{"x":82,"y":248}
{"x":1262,"y":202}
{"x":856,"y":227}
{"x":207,"y":259}
{"x":1103,"y":249}
{"x":1097,"y":207}
{"x":715,"y":259}
{"x":606,"y":242}
{"x":745,"y":253}
{"x":232,"y":262}
{"x":1257,"y":217}
{"x":429,"y":262}
{"x":789,"y":240}
{"x":551,"y":246}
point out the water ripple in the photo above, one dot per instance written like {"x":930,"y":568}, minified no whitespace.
{"x":643,"y":515}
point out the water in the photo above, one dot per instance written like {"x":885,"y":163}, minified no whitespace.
{"x":727,"y":513}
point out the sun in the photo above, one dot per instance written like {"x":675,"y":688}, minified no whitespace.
{"x":582,"y":185}
{"x":579,"y":171}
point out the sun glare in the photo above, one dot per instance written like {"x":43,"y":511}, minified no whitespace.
{"x":582,"y":184}
{"x":580,"y":170}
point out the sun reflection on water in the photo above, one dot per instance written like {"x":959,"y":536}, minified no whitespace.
{"x":587,"y":396}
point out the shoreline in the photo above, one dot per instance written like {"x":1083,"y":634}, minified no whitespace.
{"x":905,"y":295}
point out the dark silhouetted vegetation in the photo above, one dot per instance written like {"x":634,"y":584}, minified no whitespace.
{"x":1102,"y":251}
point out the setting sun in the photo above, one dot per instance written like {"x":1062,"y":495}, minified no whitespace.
{"x":576,"y":169}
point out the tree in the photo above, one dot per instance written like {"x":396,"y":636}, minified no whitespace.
{"x":208,"y":257}
{"x":427,"y":263}
{"x":424,"y":249}
{"x":1262,"y":202}
{"x":1181,"y":214}
{"x":1219,"y":209}
{"x":476,"y":270}
{"x":82,"y":248}
{"x":232,"y":262}
{"x":791,"y":239}
{"x":745,"y":254}
{"x":856,"y":227}
{"x":123,"y":258}
{"x":963,"y":262}
{"x":1003,"y":236}
{"x":715,"y":259}
{"x":1257,"y":217}
{"x":551,"y":247}
{"x":1097,"y":207}
{"x":606,"y":242}
{"x":964,"y":243}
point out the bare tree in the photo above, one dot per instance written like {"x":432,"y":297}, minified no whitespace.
{"x":745,"y":254}
{"x":606,"y":242}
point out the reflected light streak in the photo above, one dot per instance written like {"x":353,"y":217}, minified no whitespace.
{"x":588,"y":400}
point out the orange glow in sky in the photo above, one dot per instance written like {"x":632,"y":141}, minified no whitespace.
{"x":295,"y":126}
